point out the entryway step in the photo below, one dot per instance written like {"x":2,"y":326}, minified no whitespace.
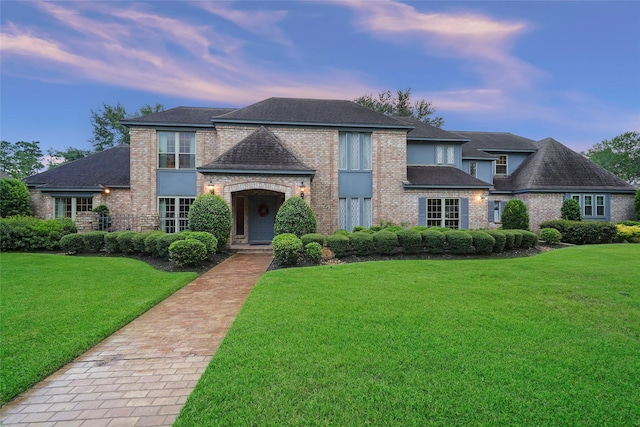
{"x":251,"y":249}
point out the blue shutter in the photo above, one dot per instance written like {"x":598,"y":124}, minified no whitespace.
{"x":422,"y":211}
{"x":607,"y":207}
{"x":464,"y":213}
{"x":490,"y":210}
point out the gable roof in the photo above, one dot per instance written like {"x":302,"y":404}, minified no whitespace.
{"x":311,"y":112}
{"x":108,"y":168}
{"x":260,"y":152}
{"x":179,"y":116}
{"x":498,"y":141}
{"x":555,"y":167}
{"x":425,"y":131}
{"x":441,"y":177}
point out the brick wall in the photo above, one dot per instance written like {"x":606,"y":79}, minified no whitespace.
{"x":478,"y":214}
{"x":118,"y":202}
{"x":621,"y":207}
{"x":542,"y":207}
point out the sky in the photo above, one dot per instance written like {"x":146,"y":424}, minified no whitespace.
{"x":569,"y":70}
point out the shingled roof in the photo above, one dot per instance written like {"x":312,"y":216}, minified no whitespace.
{"x":498,"y":141}
{"x":108,"y":168}
{"x":260,"y":152}
{"x":441,"y":177}
{"x":424,"y":131}
{"x":181,"y":116}
{"x":555,"y":167}
{"x":311,"y":112}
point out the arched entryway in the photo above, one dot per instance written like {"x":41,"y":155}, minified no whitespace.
{"x":254,"y":213}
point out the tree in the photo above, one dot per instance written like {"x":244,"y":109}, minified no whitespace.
{"x":515,"y":215}
{"x":14,"y":198}
{"x":620,"y":156}
{"x":69,"y":155}
{"x":401,"y":105}
{"x":107,"y":130}
{"x":20,"y":159}
{"x":636,"y":205}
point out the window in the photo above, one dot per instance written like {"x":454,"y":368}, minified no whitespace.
{"x":473,"y":169}
{"x":239,"y":216}
{"x":68,"y":207}
{"x":587,"y":205}
{"x":354,"y":211}
{"x":177,"y":150}
{"x":445,"y":154}
{"x":497,"y":211}
{"x":591,"y":205}
{"x":599,"y":205}
{"x":443,"y":213}
{"x":354,"y":151}
{"x":501,"y":165}
{"x":174,"y":213}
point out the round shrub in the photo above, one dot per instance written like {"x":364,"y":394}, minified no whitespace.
{"x":14,"y":198}
{"x":628,"y":233}
{"x":385,"y":242}
{"x":339,"y":244}
{"x":313,"y":252}
{"x":287,"y":248}
{"x":187,"y":252}
{"x":163,"y":243}
{"x":515,"y":216}
{"x":362,"y":243}
{"x":517,"y":238}
{"x":209,"y":240}
{"x":570,"y":210}
{"x":137,"y":241}
{"x":483,"y":242}
{"x":125,"y":241}
{"x":312,"y":237}
{"x":151,"y":242}
{"x":410,"y":240}
{"x":94,"y":240}
{"x":510,"y":239}
{"x":296,"y":217}
{"x":72,"y":243}
{"x":500,"y":240}
{"x":458,"y":242}
{"x":342,"y":232}
{"x":210,"y":213}
{"x":529,"y":239}
{"x":433,"y":241}
{"x":111,"y":242}
{"x":550,"y":236}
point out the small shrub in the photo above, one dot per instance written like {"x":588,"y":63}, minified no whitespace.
{"x":510,"y":238}
{"x":210,"y":213}
{"x":163,"y":243}
{"x":570,"y":210}
{"x":362,"y":243}
{"x":500,"y":238}
{"x":287,"y":248}
{"x":410,"y":240}
{"x":630,"y":223}
{"x":72,"y":243}
{"x":517,"y":238}
{"x":313,"y":251}
{"x":583,"y":232}
{"x":138,"y":241}
{"x":296,"y":217}
{"x":375,"y":228}
{"x":483,"y":242}
{"x":385,"y":242}
{"x":94,"y":240}
{"x":339,"y":244}
{"x":111,"y":244}
{"x":628,"y":233}
{"x":342,"y":232}
{"x":529,"y":239}
{"x":515,"y":216}
{"x":312,"y":237}
{"x":125,"y":241}
{"x":151,"y":242}
{"x":208,"y":240}
{"x":14,"y":198}
{"x":434,"y":241}
{"x":458,"y":242}
{"x":187,"y":252}
{"x":104,"y":219}
{"x":550,"y":235}
{"x":359,"y":228}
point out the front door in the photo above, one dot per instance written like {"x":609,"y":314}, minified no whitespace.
{"x":262,"y":215}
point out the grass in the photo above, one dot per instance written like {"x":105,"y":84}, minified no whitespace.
{"x":54,"y":307}
{"x":547,"y":340}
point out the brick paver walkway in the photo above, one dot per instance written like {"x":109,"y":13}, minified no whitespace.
{"x":142,"y":374}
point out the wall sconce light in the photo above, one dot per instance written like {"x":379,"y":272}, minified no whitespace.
{"x":107,"y":191}
{"x":211,"y":188}
{"x":302,"y":188}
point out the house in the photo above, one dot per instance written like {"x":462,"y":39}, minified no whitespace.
{"x":352,"y":165}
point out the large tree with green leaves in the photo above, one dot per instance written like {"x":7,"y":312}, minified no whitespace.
{"x":107,"y":129}
{"x":400,"y":105}
{"x":620,"y":156}
{"x":20,"y":159}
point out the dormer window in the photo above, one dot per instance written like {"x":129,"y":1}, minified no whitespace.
{"x":445,"y":154}
{"x":501,"y":165}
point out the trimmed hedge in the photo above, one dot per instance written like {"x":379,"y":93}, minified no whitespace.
{"x":434,"y":241}
{"x":295,"y":216}
{"x":410,"y":240}
{"x":500,"y":240}
{"x":459,"y":242}
{"x":208,"y":240}
{"x":72,"y":243}
{"x":164,"y":242}
{"x":510,"y":239}
{"x":517,"y":238}
{"x":151,"y":242}
{"x":529,"y":239}
{"x":483,"y":242}
{"x":312,"y":237}
{"x":583,"y":232}
{"x":26,"y":233}
{"x":550,"y":236}
{"x":111,"y":244}
{"x":628,"y":233}
{"x":94,"y":240}
{"x":187,"y":252}
{"x":362,"y":243}
{"x":385,"y":242}
{"x":138,"y":241}
{"x":313,"y":251}
{"x":339,"y":244}
{"x":125,"y":241}
{"x":287,"y":248}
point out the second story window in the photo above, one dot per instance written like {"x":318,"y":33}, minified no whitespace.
{"x":501,"y":165}
{"x":354,"y":151}
{"x":445,"y":154}
{"x":473,"y":169}
{"x":176,"y":150}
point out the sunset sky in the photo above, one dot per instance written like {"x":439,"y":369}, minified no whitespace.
{"x":567,"y":70}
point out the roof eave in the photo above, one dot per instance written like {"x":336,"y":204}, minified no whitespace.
{"x":305,"y":172}
{"x":408,"y":186}
{"x":166,"y":124}
{"x":435,"y":139}
{"x":318,"y":124}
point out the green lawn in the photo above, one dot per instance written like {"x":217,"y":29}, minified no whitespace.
{"x":547,"y":340}
{"x":54,"y":307}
